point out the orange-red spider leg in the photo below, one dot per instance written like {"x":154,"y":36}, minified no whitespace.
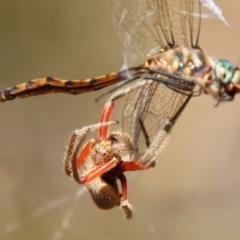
{"x":107,"y":111}
{"x":124,"y":201}
{"x":98,"y":171}
{"x":135,"y":165}
{"x":77,"y":162}
{"x":71,"y":162}
{"x":105,"y":117}
{"x":123,"y":181}
{"x":84,"y":153}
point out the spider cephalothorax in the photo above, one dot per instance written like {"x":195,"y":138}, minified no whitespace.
{"x":105,"y":149}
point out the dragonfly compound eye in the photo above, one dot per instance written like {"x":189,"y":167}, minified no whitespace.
{"x":224,"y":71}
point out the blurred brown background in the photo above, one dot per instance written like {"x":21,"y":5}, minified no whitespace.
{"x":194,"y":191}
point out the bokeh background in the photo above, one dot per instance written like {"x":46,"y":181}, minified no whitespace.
{"x":194,"y":191}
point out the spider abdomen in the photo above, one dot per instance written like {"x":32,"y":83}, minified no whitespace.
{"x":104,"y":193}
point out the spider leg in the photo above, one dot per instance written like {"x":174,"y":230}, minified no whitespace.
{"x":133,"y":165}
{"x":160,"y":140}
{"x":136,"y":165}
{"x":124,"y":199}
{"x":109,"y":105}
{"x":73,"y":147}
{"x":68,"y":155}
{"x":71,"y":162}
{"x":77,"y":162}
{"x":105,"y":117}
{"x":99,"y":170}
{"x":149,"y":158}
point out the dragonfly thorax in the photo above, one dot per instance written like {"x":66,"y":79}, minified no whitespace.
{"x":185,"y":62}
{"x":217,"y":78}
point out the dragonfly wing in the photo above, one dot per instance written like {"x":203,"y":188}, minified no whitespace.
{"x":155,"y":104}
{"x":143,"y":27}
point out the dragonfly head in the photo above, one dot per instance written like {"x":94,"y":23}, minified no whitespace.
{"x":228,"y":78}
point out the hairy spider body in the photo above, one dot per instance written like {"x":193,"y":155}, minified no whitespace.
{"x":104,"y":149}
{"x":104,"y":189}
{"x":103,"y":163}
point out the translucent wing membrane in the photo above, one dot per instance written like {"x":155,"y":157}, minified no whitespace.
{"x":144,"y":27}
{"x":155,"y":104}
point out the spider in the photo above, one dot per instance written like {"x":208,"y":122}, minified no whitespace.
{"x":103,"y":163}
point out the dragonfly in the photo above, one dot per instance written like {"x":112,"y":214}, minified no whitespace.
{"x":148,"y":30}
